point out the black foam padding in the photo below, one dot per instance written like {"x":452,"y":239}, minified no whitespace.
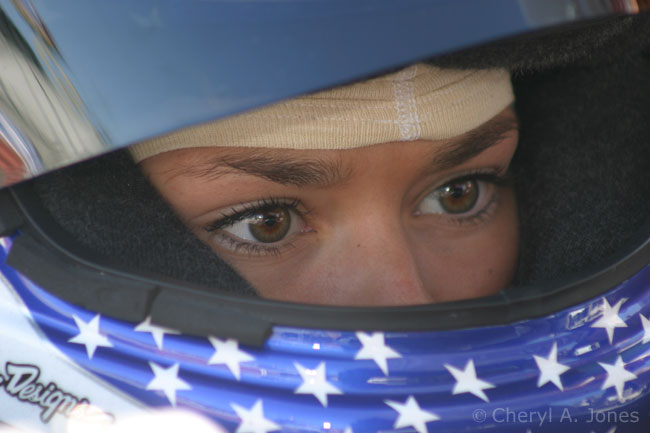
{"x":10,"y":217}
{"x":589,"y":43}
{"x":107,"y":205}
{"x":583,"y":165}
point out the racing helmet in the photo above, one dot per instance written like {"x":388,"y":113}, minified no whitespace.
{"x":110,"y":307}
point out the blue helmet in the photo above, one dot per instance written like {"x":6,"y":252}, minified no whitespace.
{"x":94,"y":332}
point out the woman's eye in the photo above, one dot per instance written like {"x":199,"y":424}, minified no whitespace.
{"x":458,"y":197}
{"x":266,"y":226}
{"x":259,"y":228}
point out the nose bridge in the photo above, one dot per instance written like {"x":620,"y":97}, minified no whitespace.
{"x":383,"y":262}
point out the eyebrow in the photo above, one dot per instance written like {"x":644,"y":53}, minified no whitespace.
{"x":473,"y":143}
{"x":267,"y":164}
{"x":323,"y":173}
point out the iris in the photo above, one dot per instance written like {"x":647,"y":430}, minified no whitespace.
{"x":270,"y":225}
{"x":459,"y":197}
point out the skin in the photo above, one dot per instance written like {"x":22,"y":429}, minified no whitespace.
{"x":363,"y":240}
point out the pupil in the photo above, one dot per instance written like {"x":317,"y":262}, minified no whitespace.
{"x":458,"y":191}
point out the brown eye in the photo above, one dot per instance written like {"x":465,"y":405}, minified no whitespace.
{"x":258,"y":228}
{"x":269,"y":225}
{"x":458,"y":197}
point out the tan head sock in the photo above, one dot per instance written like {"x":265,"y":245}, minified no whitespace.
{"x":418,"y":102}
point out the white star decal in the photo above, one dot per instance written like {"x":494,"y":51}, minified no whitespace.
{"x":646,"y":329}
{"x":610,"y":319}
{"x":549,"y":369}
{"x":466,"y":381}
{"x":374,"y":347}
{"x":617,"y":375}
{"x":252,"y":420}
{"x":167,"y":381}
{"x":227,"y":352}
{"x":157,"y":332}
{"x":314,"y":382}
{"x":89,"y":335}
{"x":411,"y":415}
{"x":348,"y":430}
